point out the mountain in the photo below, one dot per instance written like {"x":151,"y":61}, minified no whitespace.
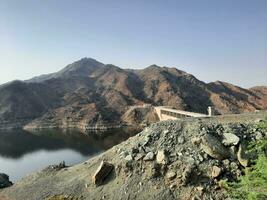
{"x":89,"y":94}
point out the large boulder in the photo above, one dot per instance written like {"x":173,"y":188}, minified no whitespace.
{"x":213,"y":147}
{"x":162,"y":157}
{"x":149,"y":156}
{"x":102,"y":172}
{"x":230,"y":139}
{"x":4,"y":181}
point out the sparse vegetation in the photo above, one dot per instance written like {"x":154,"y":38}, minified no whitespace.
{"x":253,"y":185}
{"x":263,"y":125}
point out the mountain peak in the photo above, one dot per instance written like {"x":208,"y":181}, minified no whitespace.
{"x":154,"y":66}
{"x":84,"y":66}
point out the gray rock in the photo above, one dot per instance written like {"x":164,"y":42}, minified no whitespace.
{"x":129,"y":157}
{"x":59,"y":166}
{"x":213,"y":147}
{"x":4,"y":181}
{"x":226,"y":162}
{"x":200,"y":188}
{"x":200,"y":158}
{"x":258,"y":120}
{"x":102,"y":172}
{"x":190,"y":160}
{"x":196,"y":140}
{"x":135,"y":150}
{"x":241,"y":156}
{"x":230,"y":139}
{"x":258,"y":136}
{"x":147,"y":139}
{"x":124,"y":153}
{"x":233,"y":166}
{"x":196,"y":197}
{"x":186,"y":176}
{"x":149,"y":149}
{"x":165,"y":131}
{"x":149,"y":156}
{"x":179,"y":154}
{"x":162,"y":157}
{"x":139,"y":156}
{"x":216,"y":171}
{"x":233,"y":151}
{"x":155,"y":170}
{"x":181,"y":140}
{"x":171,"y":175}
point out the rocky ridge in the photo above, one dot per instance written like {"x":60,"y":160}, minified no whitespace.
{"x":182,"y":159}
{"x":88,"y":94}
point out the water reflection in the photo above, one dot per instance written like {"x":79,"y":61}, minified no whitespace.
{"x":22,"y":152}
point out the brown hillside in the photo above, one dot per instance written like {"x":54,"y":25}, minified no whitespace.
{"x":87,"y":93}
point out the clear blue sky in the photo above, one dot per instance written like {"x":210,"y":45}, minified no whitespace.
{"x":212,"y":39}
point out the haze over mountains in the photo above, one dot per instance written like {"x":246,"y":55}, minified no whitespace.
{"x":90,"y":93}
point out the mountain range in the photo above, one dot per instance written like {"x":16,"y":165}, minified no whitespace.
{"x":88,"y":93}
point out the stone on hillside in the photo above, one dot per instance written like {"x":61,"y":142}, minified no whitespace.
{"x":139,"y":156}
{"x":162,"y":157}
{"x":200,"y":158}
{"x":226,"y":162}
{"x":165,"y":131}
{"x":190,"y":160}
{"x":258,"y":136}
{"x":230,"y":139}
{"x":213,"y":147}
{"x":233,"y":166}
{"x":196,"y":140}
{"x":155,"y":170}
{"x":232,"y":151}
{"x":147,"y":140}
{"x":216,"y":171}
{"x":59,"y":166}
{"x":123,"y":154}
{"x":135,"y":150}
{"x":129,"y":157}
{"x":181,"y":140}
{"x":102,"y":172}
{"x":258,"y":120}
{"x":241,"y":156}
{"x":200,"y":188}
{"x":149,"y":156}
{"x":4,"y":181}
{"x":170,"y":175}
{"x":187,"y":174}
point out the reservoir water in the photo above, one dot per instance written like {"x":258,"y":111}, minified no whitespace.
{"x":23,"y":152}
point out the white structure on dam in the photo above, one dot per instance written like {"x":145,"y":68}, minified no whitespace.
{"x":165,"y":113}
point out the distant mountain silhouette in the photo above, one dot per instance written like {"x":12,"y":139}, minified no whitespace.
{"x":89,"y":93}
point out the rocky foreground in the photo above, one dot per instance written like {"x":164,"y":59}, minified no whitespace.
{"x":182,"y":159}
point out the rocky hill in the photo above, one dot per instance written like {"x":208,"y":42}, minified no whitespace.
{"x":183,"y":159}
{"x":88,"y":94}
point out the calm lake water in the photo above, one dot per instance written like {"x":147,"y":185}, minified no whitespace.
{"x":22,"y":152}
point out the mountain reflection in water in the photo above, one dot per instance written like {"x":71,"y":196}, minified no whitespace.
{"x":22,"y":152}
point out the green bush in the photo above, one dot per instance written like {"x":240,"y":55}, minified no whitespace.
{"x":263,"y":125}
{"x":253,"y":185}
